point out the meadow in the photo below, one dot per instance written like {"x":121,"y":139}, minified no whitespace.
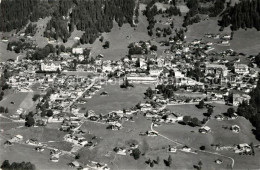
{"x":116,"y":99}
{"x":20,"y":100}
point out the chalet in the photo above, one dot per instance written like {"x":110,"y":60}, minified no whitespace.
{"x":235,"y":128}
{"x":186,"y":149}
{"x":152,"y":133}
{"x":17,"y":138}
{"x":204,"y":129}
{"x":74,"y":164}
{"x":227,"y":37}
{"x":172,"y":149}
{"x":120,"y":151}
{"x":33,"y":142}
{"x":219,"y":117}
{"x":174,"y":118}
{"x":39,"y":149}
{"x":243,"y":148}
{"x":99,"y":166}
{"x":55,"y":158}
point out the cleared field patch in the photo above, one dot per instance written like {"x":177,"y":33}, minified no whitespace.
{"x":10,"y":125}
{"x":223,"y":136}
{"x":120,"y":38}
{"x":198,"y":30}
{"x":42,"y":134}
{"x":110,"y":139}
{"x":246,"y":41}
{"x":117,"y":98}
{"x":193,"y":111}
{"x":41,"y":26}
{"x":20,"y":99}
{"x":20,"y":153}
{"x":245,"y":161}
{"x":181,"y":160}
{"x":5,"y":54}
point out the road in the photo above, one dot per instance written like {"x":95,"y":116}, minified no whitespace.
{"x":92,"y":84}
{"x":178,"y":143}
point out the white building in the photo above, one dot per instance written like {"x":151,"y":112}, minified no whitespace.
{"x":155,"y":71}
{"x":137,"y":78}
{"x":77,"y":50}
{"x":50,"y":66}
{"x":241,"y":69}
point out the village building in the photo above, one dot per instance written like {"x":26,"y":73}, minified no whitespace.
{"x":216,"y":70}
{"x":204,"y":129}
{"x":235,"y":128}
{"x":50,"y":66}
{"x":241,"y":69}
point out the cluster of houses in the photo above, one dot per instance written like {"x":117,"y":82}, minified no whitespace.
{"x":143,"y":68}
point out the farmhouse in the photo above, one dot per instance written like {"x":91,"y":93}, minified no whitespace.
{"x":74,"y":164}
{"x":204,"y":129}
{"x":186,"y":149}
{"x":243,"y":148}
{"x":235,"y":128}
{"x":172,"y":149}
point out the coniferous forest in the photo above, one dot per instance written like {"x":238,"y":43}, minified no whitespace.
{"x":245,"y":14}
{"x":97,"y":16}
{"x":91,"y":16}
{"x":15,"y":14}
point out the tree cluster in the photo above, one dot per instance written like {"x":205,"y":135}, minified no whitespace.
{"x":18,"y":46}
{"x":149,"y":93}
{"x":31,"y":29}
{"x":3,"y":110}
{"x":151,"y":11}
{"x":257,"y":60}
{"x":42,"y":53}
{"x":187,"y":120}
{"x":251,"y":110}
{"x":166,"y":90}
{"x":3,"y":82}
{"x":17,"y":166}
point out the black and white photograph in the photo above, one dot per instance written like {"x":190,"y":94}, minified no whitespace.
{"x":129,"y":84}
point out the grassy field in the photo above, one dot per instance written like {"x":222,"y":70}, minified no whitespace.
{"x":246,"y":41}
{"x":193,"y":111}
{"x":5,"y":54}
{"x":43,"y":134}
{"x":4,"y":125}
{"x":111,"y":139}
{"x":20,"y":153}
{"x":181,"y":160}
{"x":117,"y":98}
{"x":38,"y":37}
{"x":222,"y":135}
{"x":20,"y":99}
